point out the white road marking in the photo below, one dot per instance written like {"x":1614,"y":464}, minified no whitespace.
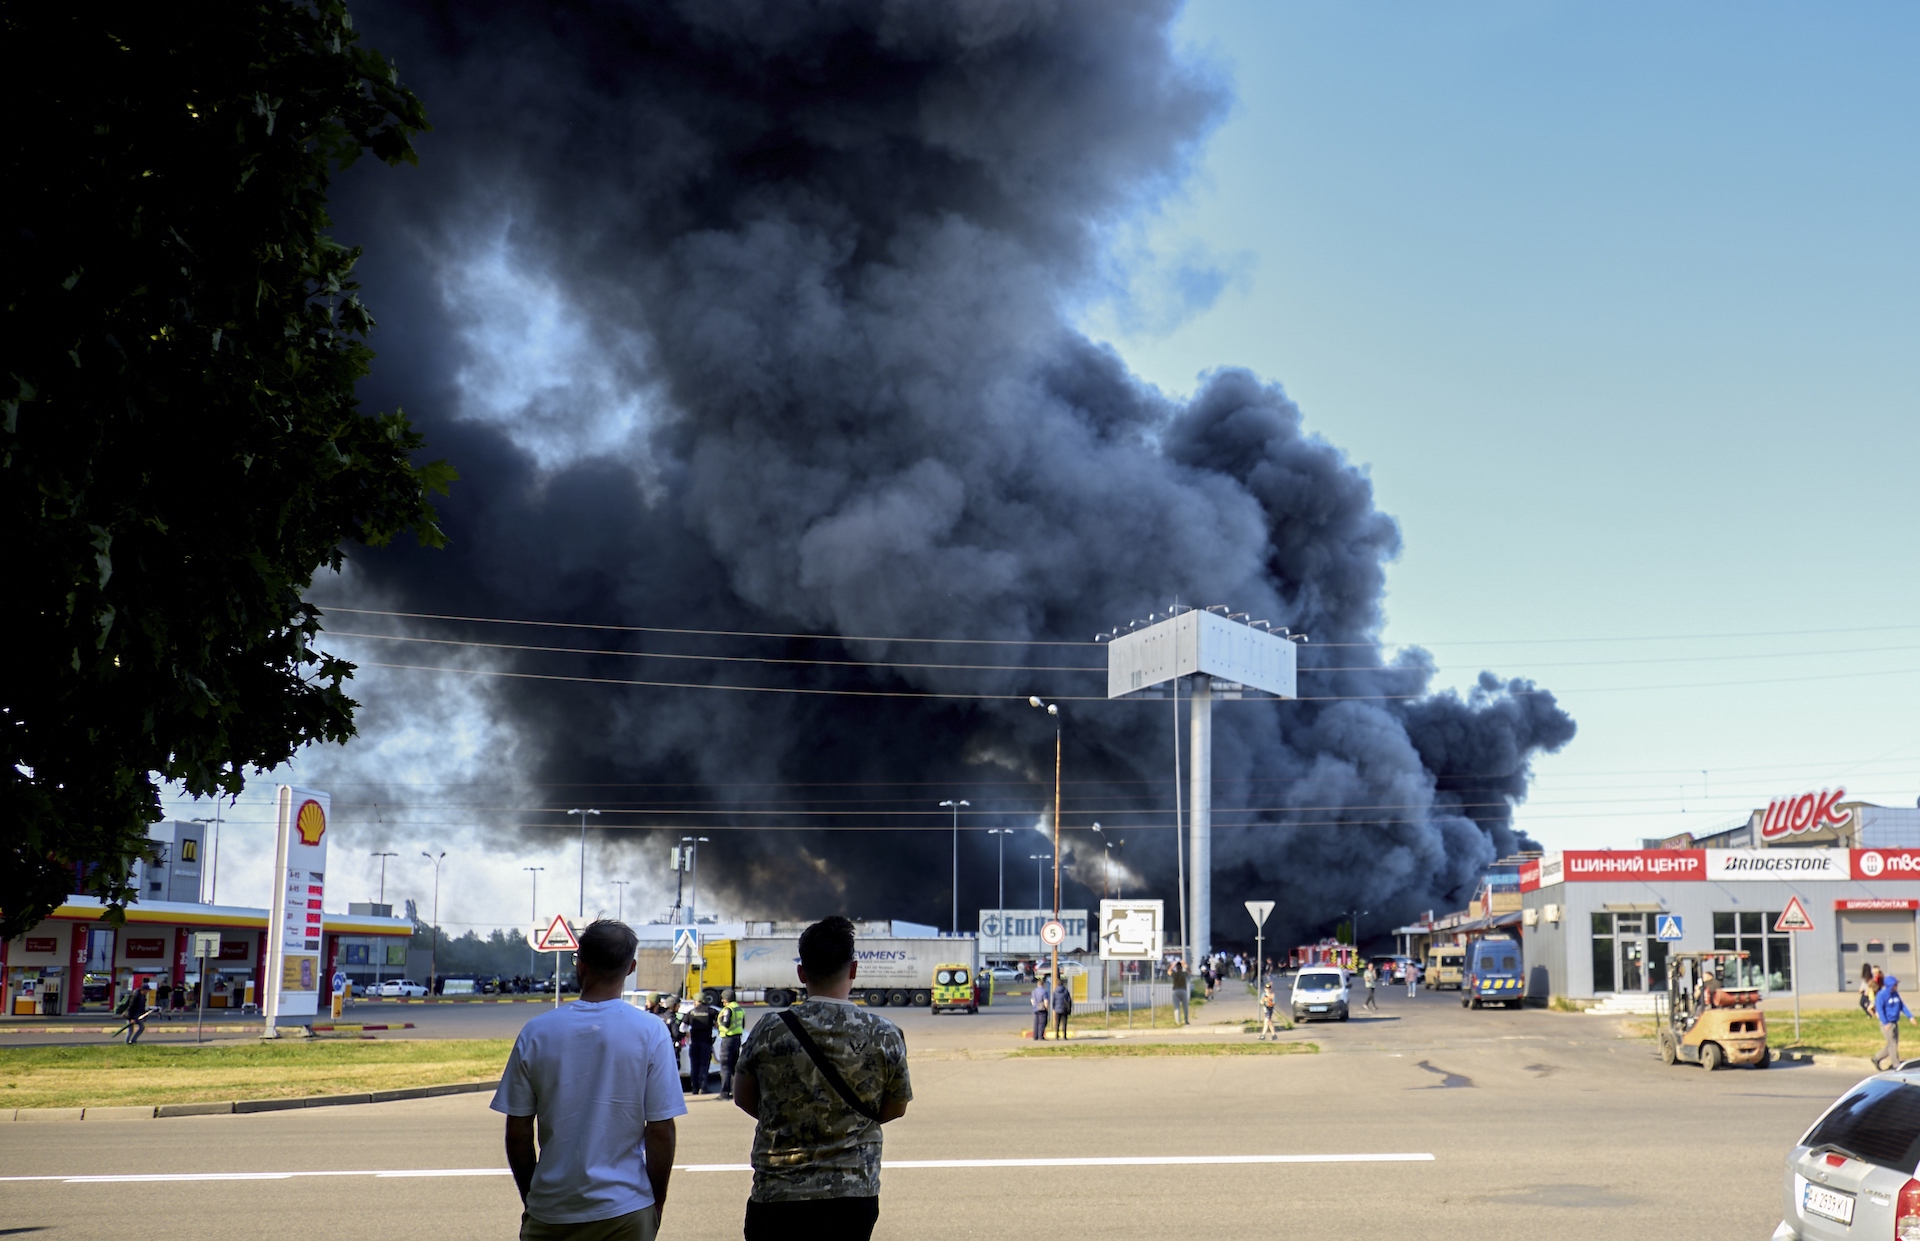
{"x":1097,"y":1161}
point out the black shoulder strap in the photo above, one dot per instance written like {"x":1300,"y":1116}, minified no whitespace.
{"x":825,"y":1066}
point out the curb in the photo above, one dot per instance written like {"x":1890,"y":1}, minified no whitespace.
{"x":165,"y":1111}
{"x":356,"y":1029}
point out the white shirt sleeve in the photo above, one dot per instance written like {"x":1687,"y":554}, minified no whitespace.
{"x":515,"y":1096}
{"x":664,"y":1100}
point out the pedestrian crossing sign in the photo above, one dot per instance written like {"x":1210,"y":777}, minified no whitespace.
{"x":686,"y":945}
{"x":1794,"y":917}
{"x":1667,"y":927}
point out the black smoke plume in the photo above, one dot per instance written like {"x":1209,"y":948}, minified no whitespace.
{"x":759,"y":315}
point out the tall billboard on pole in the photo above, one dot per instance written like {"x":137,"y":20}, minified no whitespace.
{"x":296,"y":918}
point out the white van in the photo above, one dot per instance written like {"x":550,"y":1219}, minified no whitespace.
{"x":1320,"y":992}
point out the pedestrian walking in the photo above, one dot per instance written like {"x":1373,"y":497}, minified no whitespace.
{"x":820,"y":1079}
{"x":598,"y":1082}
{"x":1413,"y":980}
{"x":1371,"y":978}
{"x":1869,"y":988}
{"x":135,"y":1010}
{"x":1178,"y":975}
{"x":1888,"y":1007}
{"x":1039,"y":1001}
{"x":700,"y":1032}
{"x":1061,"y":1001}
{"x":733,"y":1024}
{"x":1266,"y":1013}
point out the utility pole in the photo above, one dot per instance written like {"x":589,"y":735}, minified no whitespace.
{"x":1038,"y":858}
{"x":533,"y":921}
{"x":1106,"y":875}
{"x":955,"y":805}
{"x":433,"y":961}
{"x":583,"y":863}
{"x":1053,"y":709}
{"x":620,"y":908}
{"x":690,"y":859}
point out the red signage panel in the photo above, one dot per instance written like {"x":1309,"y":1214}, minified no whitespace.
{"x":1876,"y":902}
{"x":42,"y":943}
{"x":1602,"y":865}
{"x":146,"y":949}
{"x":1886,"y":863}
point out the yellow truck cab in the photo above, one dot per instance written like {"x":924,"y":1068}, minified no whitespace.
{"x":953,"y":989}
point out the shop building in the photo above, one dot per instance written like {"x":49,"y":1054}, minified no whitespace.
{"x":1591,"y":921}
{"x":75,"y":961}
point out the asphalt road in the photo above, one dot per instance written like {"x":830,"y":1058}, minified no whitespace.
{"x":1538,"y":1124}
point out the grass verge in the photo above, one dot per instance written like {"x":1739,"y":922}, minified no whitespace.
{"x":116,"y":1074}
{"x":1103,"y":1049}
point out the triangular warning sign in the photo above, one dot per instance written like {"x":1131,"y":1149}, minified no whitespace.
{"x":558,"y":937}
{"x":1794,"y":917}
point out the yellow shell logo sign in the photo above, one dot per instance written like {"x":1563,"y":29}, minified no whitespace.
{"x":311,"y":822}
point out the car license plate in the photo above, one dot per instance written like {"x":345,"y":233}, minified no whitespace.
{"x":1827,"y":1203}
{"x":1316,"y":1008}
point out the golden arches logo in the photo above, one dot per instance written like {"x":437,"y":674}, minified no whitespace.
{"x":311,"y":822}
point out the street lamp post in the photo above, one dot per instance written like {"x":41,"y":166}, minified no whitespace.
{"x":433,"y":961}
{"x":1053,"y":709}
{"x":383,"y":900}
{"x":620,"y":907}
{"x":955,"y":806}
{"x":1106,"y":876}
{"x":1037,"y":858}
{"x":583,"y":861}
{"x":999,"y":940}
{"x":533,"y":963}
{"x":213,"y":865}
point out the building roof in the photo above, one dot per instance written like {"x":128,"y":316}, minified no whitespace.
{"x":187,"y":913}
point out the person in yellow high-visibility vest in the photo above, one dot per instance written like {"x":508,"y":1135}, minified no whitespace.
{"x":733,"y":1025}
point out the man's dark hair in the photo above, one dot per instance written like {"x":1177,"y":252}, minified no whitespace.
{"x":826,"y":948}
{"x":606,"y":946}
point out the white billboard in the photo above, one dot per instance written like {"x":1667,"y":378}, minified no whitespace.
{"x":295,"y":921}
{"x":1016,"y":932}
{"x":1227,"y":650}
{"x":1132,"y":930}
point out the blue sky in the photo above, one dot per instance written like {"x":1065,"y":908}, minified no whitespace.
{"x":1618,"y":305}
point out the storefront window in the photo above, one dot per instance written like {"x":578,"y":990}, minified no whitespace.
{"x":1769,"y":962}
{"x":1603,"y":952}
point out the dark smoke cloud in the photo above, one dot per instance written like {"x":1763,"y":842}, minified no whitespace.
{"x":758,"y":315}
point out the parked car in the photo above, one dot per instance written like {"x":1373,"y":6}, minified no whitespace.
{"x":1852,"y":1174}
{"x":401,"y":988}
{"x":1320,"y":991}
{"x":1003,"y":973}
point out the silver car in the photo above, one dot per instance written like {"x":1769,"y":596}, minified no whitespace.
{"x":1852,"y":1174}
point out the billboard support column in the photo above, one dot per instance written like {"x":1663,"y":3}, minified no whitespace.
{"x":1200,"y":819}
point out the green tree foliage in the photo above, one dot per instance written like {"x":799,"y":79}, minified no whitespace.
{"x":180,"y":445}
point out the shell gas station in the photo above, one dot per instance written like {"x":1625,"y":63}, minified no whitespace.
{"x":77,"y":960}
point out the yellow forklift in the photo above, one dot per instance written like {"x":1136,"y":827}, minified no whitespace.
{"x":1701,"y":1020}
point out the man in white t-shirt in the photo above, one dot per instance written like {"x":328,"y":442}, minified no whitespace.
{"x":599,"y":1082}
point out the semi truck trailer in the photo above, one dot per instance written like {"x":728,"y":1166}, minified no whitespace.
{"x":898,"y":973}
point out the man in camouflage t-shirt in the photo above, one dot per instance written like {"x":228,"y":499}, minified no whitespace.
{"x":816,"y":1157}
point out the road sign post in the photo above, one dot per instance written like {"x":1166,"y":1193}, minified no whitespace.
{"x":558,"y":938}
{"x":1259,"y":910}
{"x":1794,"y":919}
{"x":205,"y":944}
